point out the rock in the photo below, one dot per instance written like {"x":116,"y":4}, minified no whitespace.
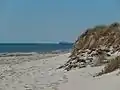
{"x":82,"y":64}
{"x":96,"y":61}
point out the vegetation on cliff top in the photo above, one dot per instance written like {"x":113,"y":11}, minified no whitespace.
{"x":102,"y":35}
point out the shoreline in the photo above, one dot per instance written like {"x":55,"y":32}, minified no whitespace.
{"x":5,"y":54}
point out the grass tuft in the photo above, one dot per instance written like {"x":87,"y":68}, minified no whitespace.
{"x":113,"y":65}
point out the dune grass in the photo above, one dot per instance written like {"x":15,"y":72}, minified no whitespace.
{"x":113,"y":65}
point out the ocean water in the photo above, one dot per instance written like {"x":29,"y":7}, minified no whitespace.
{"x":41,"y":47}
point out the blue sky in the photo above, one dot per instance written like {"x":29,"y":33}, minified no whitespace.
{"x":53,"y":20}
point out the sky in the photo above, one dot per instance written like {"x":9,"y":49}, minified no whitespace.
{"x":35,"y":21}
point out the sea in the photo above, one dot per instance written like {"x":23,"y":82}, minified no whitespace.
{"x":34,"y":47}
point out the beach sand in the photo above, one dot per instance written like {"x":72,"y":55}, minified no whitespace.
{"x":38,"y":72}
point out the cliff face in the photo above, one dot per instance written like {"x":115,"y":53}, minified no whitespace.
{"x":95,"y":47}
{"x":98,"y":36}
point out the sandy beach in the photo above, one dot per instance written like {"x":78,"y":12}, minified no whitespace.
{"x":33,"y":72}
{"x":38,"y":72}
{"x":59,"y":44}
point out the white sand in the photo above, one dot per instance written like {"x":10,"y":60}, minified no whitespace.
{"x":36,"y":73}
{"x":83,"y":80}
{"x":31,"y":72}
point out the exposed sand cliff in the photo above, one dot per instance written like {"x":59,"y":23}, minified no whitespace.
{"x":95,"y":47}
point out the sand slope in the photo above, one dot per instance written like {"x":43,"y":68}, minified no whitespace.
{"x":83,"y":80}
